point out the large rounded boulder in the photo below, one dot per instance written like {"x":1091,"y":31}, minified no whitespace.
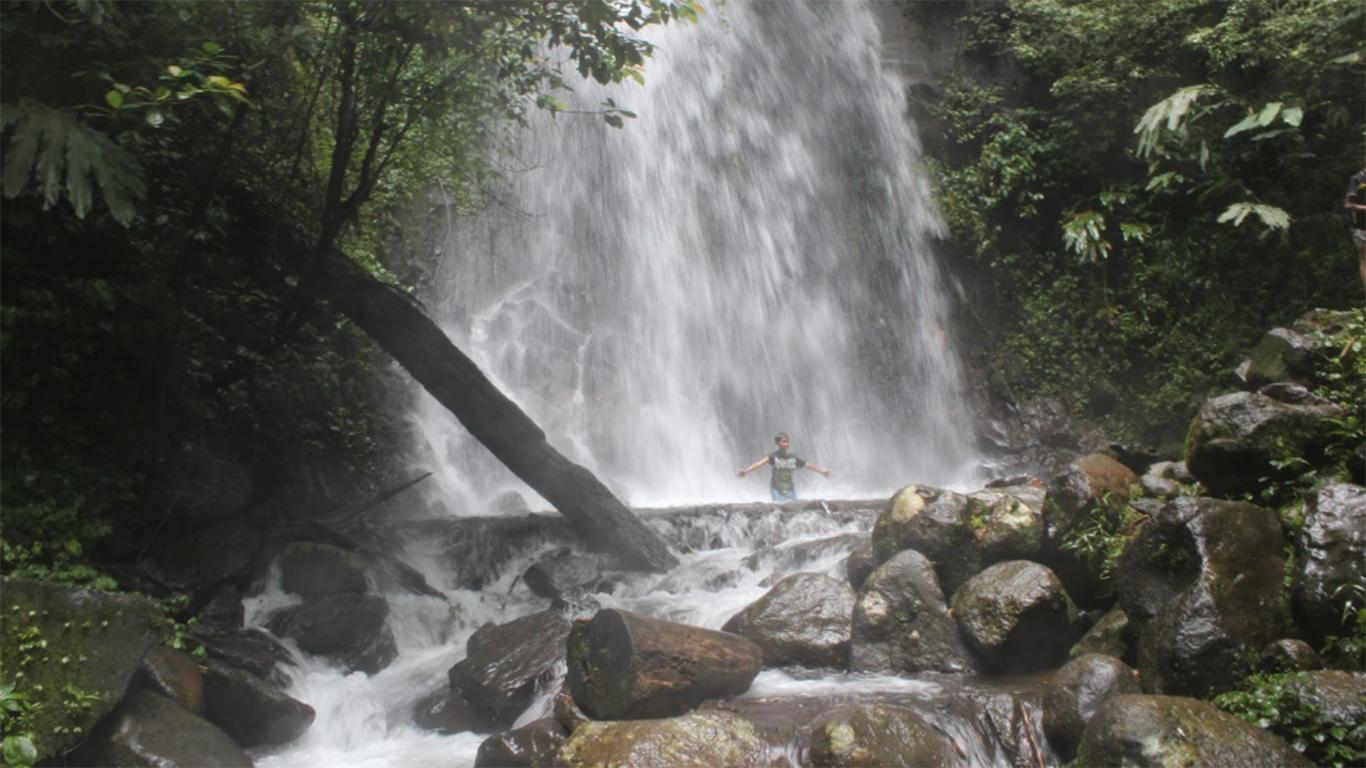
{"x":626,"y":666}
{"x":710,"y":738}
{"x":803,"y":621}
{"x":1195,"y":643}
{"x":1017,"y":617}
{"x":1075,"y":693}
{"x":901,"y":624}
{"x":534,"y":745}
{"x":1082,"y":484}
{"x":1236,"y":438}
{"x":934,"y":522}
{"x":252,"y":711}
{"x":563,"y":575}
{"x":875,"y":735}
{"x":321,"y":570}
{"x":1164,"y":731}
{"x":1330,"y":557}
{"x":150,"y":729}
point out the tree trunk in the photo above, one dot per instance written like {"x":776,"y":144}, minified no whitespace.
{"x":402,"y":328}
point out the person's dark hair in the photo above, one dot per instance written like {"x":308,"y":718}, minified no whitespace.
{"x":780,"y":436}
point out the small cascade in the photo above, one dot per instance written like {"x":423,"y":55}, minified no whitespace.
{"x":730,"y":555}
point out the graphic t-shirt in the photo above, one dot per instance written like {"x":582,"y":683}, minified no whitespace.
{"x":1356,"y":191}
{"x":783,"y":467}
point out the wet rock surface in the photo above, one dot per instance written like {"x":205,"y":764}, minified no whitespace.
{"x":564,"y":574}
{"x":710,"y":738}
{"x":150,"y":729}
{"x":1195,"y":642}
{"x":504,"y":663}
{"x":901,"y":623}
{"x":1235,"y":438}
{"x":1083,"y":483}
{"x":1339,"y":696}
{"x":174,"y":675}
{"x":448,"y":711}
{"x":1330,"y":557}
{"x":622,"y":665}
{"x":1110,"y":636}
{"x":860,"y":564}
{"x":877,"y":735}
{"x":250,"y":649}
{"x":1008,"y":522}
{"x":1075,"y":693}
{"x":348,"y":628}
{"x":321,"y":570}
{"x":1161,"y":731}
{"x":805,"y":620}
{"x":250,"y":710}
{"x":1016,"y":617}
{"x":934,"y":522}
{"x":1288,"y":655}
{"x":102,"y":636}
{"x":534,"y":745}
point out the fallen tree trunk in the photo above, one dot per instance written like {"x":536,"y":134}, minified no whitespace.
{"x":404,"y":330}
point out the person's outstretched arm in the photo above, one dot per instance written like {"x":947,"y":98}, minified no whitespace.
{"x":752,"y":467}
{"x":817,"y":470}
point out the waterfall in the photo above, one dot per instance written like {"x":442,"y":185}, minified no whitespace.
{"x":750,"y":255}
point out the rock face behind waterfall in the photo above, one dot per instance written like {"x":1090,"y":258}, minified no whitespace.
{"x":804,"y":620}
{"x":622,"y":665}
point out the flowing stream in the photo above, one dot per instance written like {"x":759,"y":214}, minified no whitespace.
{"x":750,"y":255}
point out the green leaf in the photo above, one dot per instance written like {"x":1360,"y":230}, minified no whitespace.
{"x":1270,"y":216}
{"x":1292,"y":116}
{"x":1269,"y":113}
{"x":1246,"y":124}
{"x":114,"y":99}
{"x":211,"y":47}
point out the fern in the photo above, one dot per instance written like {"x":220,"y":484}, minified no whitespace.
{"x":52,"y":153}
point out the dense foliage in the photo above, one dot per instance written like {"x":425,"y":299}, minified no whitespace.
{"x":149,"y":329}
{"x":1140,"y":190}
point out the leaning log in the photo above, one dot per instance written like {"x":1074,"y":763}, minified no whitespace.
{"x":399,"y":325}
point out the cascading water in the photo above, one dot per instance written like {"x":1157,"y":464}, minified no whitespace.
{"x":748,"y":256}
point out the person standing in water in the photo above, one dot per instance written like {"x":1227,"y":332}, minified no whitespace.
{"x":784,"y":466}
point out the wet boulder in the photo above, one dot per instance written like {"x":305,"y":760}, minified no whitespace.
{"x":860,"y":564}
{"x":1288,"y":655}
{"x":53,"y":636}
{"x":222,"y":609}
{"x":1339,"y":697}
{"x":1081,"y":485}
{"x":1162,"y":731}
{"x":1235,"y":438}
{"x":1007,"y":522}
{"x":252,"y":711}
{"x":803,"y":621}
{"x":626,"y":666}
{"x":877,"y":735}
{"x":150,"y":729}
{"x":1110,"y":636}
{"x":348,"y":628}
{"x":1296,"y":353}
{"x":711,"y":738}
{"x":505,"y":664}
{"x":1330,"y":557}
{"x":1157,"y":564}
{"x":1017,"y":617}
{"x":321,"y":570}
{"x":933,"y":522}
{"x":251,"y":649}
{"x":174,"y":675}
{"x":564,"y":574}
{"x":534,"y":745}
{"x":901,"y":624}
{"x":1195,"y":642}
{"x":1075,"y":693}
{"x":448,"y":711}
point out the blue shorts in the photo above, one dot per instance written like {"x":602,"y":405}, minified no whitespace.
{"x":783,"y":495}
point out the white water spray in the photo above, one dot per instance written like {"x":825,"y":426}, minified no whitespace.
{"x":748,"y":256}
